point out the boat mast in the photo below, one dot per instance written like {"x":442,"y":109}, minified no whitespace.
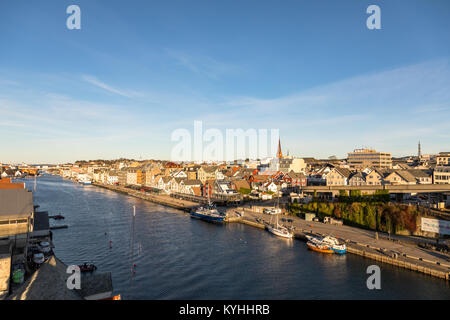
{"x":132,"y":248}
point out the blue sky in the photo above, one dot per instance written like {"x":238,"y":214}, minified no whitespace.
{"x":138,"y":70}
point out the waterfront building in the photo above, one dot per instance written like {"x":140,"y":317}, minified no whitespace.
{"x":151,"y":172}
{"x":16,"y":217}
{"x":357,"y":179}
{"x":338,"y":177}
{"x":122,"y":177}
{"x":422,"y":176}
{"x":362,"y":158}
{"x":296,"y":165}
{"x":443,"y":159}
{"x":398,"y":177}
{"x":296,"y":179}
{"x":441,"y":175}
{"x":374,"y":178}
{"x":210,"y":173}
{"x":192,"y":172}
{"x":112,"y":177}
{"x":240,"y":185}
{"x":192,"y":187}
{"x":132,"y":176}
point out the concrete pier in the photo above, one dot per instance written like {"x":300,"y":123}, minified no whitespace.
{"x":165,"y":200}
{"x":400,"y":252}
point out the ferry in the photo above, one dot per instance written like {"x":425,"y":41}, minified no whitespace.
{"x":318,"y":247}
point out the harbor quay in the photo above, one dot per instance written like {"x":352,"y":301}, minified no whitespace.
{"x":401,"y":251}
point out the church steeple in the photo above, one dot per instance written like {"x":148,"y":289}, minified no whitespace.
{"x":279,"y":153}
{"x":419,"y":151}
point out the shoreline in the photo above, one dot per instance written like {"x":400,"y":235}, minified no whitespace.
{"x":419,"y":261}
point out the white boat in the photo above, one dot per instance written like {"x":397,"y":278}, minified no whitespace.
{"x":84,"y":180}
{"x":278,"y":229}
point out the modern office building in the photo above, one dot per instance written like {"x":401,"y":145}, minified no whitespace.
{"x":364,"y":158}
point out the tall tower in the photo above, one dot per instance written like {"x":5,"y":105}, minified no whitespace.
{"x":279,"y":153}
{"x":419,"y":152}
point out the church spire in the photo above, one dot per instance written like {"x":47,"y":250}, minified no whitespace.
{"x":279,"y":153}
{"x":419,"y":151}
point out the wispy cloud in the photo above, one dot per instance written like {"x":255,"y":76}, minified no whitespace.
{"x":203,"y":65}
{"x":93,"y":80}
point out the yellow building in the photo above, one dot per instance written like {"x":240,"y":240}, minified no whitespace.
{"x":368,"y":158}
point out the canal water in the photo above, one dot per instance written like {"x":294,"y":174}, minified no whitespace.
{"x":178,"y":257}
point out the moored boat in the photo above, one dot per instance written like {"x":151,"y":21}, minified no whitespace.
{"x":208,"y":214}
{"x":331,"y":242}
{"x":323,"y":248}
{"x":280,"y":231}
{"x":87,"y":267}
{"x":276,"y":228}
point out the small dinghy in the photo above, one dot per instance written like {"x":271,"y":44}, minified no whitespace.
{"x":87,"y":267}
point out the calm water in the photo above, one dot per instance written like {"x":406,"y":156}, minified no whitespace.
{"x":178,"y":257}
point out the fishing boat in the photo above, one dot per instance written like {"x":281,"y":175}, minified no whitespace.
{"x":331,"y":242}
{"x":208,"y":213}
{"x":318,"y":247}
{"x":335,"y":245}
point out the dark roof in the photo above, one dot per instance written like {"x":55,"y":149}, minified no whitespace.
{"x":343,"y":171}
{"x":41,"y":221}
{"x":15,"y":203}
{"x":358,"y":175}
{"x":420,"y":173}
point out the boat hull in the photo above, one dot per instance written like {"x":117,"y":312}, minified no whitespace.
{"x":279,"y":233}
{"x":206,"y":217}
{"x":314,"y":247}
{"x":339,"y":251}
